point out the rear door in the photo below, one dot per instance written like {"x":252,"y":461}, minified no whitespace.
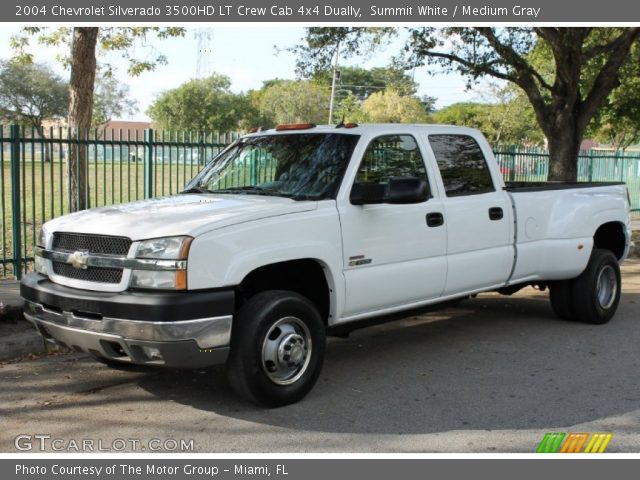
{"x":477,"y":214}
{"x":392,"y":257}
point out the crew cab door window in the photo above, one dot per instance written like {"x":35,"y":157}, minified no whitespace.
{"x":462,"y":165}
{"x":391,"y":156}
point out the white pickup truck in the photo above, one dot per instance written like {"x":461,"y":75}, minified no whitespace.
{"x":302,"y":231}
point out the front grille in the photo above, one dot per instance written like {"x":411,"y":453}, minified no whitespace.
{"x":96,"y":245}
{"x":102,"y":244}
{"x":90,"y":274}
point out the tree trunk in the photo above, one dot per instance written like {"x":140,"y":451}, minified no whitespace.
{"x":564,"y":146}
{"x":81,"y":86}
{"x":45,"y":145}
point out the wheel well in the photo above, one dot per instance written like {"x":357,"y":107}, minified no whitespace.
{"x":610,"y":236}
{"x":305,"y":277}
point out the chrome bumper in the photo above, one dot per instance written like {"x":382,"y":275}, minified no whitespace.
{"x":186,"y":343}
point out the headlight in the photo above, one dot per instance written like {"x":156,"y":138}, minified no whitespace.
{"x":39,"y":263}
{"x":43,"y":238}
{"x":167,"y":248}
{"x":168,"y":280}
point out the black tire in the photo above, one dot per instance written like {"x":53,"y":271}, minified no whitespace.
{"x":596,"y":292}
{"x":256,"y":367}
{"x":561,"y":296}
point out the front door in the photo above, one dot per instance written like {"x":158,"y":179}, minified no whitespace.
{"x":392,"y":256}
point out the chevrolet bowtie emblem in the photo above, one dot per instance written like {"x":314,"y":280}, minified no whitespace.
{"x":79,"y":259}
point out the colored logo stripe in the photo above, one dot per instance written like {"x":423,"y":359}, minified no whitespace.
{"x":574,"y":442}
{"x":598,"y":443}
{"x":550,"y":443}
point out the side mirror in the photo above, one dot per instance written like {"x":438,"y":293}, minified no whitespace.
{"x":399,"y":190}
{"x":407,"y":190}
{"x":368,"y":193}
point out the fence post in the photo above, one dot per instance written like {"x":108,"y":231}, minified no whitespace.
{"x":148,"y":163}
{"x":590,"y":165}
{"x":16,"y":214}
{"x":253,"y":165}
{"x":512,"y":173}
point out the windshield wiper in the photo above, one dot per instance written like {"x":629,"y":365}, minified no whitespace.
{"x":302,"y":196}
{"x":249,"y":188}
{"x":252,"y":190}
{"x":196,"y":190}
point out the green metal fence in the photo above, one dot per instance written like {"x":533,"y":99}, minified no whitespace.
{"x":120,"y":167}
{"x":522,"y":164}
{"x":126,"y":166}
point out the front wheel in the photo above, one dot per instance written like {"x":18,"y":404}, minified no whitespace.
{"x":596,"y":292}
{"x":277,"y":348}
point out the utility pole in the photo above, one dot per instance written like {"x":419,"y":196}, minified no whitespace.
{"x":333,"y":83}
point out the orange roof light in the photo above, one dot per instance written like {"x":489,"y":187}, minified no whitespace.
{"x":294,"y":126}
{"x":350,"y":125}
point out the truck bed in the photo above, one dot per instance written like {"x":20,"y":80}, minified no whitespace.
{"x":556,"y":222}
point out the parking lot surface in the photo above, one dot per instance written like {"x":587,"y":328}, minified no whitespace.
{"x":493,"y":374}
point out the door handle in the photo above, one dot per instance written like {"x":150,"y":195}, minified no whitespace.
{"x":435,"y":219}
{"x":496,"y":213}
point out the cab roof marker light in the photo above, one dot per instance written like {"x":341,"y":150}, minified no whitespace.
{"x":294,"y":126}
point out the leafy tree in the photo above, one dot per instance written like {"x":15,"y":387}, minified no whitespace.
{"x":618,"y":122}
{"x":428,"y":103}
{"x":391,"y":107}
{"x":362,"y":82}
{"x":510,"y":121}
{"x":357,"y":84}
{"x":293,"y":101}
{"x":84,"y":43}
{"x":586,"y":65}
{"x":252,"y":117}
{"x":201,"y":105}
{"x":349,"y":108}
{"x":111,"y":100}
{"x":30,"y":94}
{"x":513,"y":118}
{"x":469,"y":114}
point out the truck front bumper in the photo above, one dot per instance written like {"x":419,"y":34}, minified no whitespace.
{"x":188,"y":329}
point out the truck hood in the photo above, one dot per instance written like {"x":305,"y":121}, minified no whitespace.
{"x":188,"y":214}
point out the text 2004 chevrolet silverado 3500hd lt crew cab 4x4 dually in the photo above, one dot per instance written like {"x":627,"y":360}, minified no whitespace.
{"x":290,"y":233}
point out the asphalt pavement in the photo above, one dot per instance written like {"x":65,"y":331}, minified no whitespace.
{"x":493,"y":374}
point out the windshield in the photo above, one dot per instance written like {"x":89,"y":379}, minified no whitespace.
{"x":302,"y":166}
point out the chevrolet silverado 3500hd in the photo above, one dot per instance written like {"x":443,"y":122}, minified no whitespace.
{"x":292,"y":233}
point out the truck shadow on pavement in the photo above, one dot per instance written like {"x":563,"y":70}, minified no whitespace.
{"x":490,"y":363}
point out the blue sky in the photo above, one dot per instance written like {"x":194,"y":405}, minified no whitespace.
{"x":248,"y":55}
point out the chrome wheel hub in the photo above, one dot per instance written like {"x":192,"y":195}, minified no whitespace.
{"x":286,"y":351}
{"x":606,"y":287}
